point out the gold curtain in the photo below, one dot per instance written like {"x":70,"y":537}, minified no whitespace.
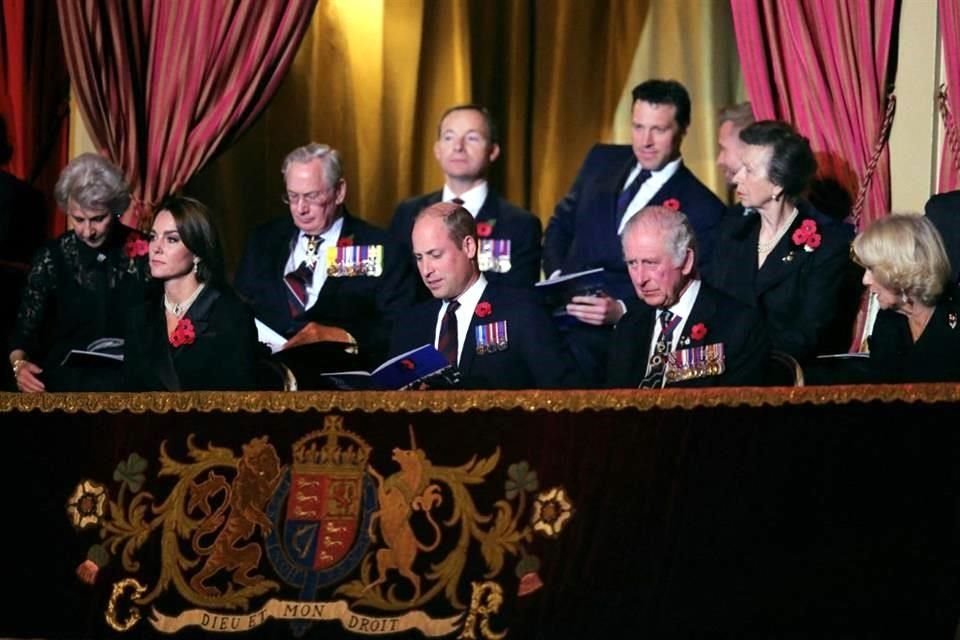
{"x":373,"y":77}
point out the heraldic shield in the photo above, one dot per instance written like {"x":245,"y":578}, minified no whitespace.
{"x":325,"y":502}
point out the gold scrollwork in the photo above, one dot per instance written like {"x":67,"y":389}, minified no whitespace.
{"x":134,"y":615}
{"x":485,"y":600}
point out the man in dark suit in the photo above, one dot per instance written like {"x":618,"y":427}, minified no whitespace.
{"x":320,"y":274}
{"x":614,"y":183}
{"x":499,"y":338}
{"x":509,"y":237}
{"x":943,"y":209}
{"x":686,"y":333}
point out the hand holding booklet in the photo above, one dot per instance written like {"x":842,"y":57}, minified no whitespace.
{"x":557,"y":292}
{"x":421,"y":366}
{"x":105,"y":352}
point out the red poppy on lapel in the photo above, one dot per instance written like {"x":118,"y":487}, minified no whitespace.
{"x":135,"y":246}
{"x":345,"y":242}
{"x":483,"y":310}
{"x":671,"y":203}
{"x":806,"y":235}
{"x":183,"y":333}
{"x":407,"y":363}
{"x":484,"y":229}
{"x":698,"y":331}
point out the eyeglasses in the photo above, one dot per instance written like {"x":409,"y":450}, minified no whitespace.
{"x":314,"y":197}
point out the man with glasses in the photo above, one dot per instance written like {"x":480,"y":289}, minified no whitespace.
{"x":320,"y":274}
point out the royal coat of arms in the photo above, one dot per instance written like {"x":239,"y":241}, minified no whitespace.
{"x":246,"y":540}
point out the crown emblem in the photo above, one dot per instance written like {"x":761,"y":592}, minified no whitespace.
{"x":332,"y":447}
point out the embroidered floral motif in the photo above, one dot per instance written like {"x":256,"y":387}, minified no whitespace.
{"x":183,"y":333}
{"x":483,"y":310}
{"x":484,"y":229}
{"x":671,"y":203}
{"x":806,"y":236}
{"x":86,"y":506}
{"x":698,"y":331}
{"x":520,"y":478}
{"x":551,"y":511}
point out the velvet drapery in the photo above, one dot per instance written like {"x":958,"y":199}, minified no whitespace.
{"x":824,"y":65}
{"x":950,"y":38}
{"x":372,"y":79}
{"x":34,"y":96}
{"x":164,"y":85}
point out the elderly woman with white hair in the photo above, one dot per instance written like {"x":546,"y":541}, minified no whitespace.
{"x":81,"y":284}
{"x":916,"y":337}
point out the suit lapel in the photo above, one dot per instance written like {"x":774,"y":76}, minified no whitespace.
{"x":158,"y":347}
{"x":785,"y":259}
{"x":609,"y":190}
{"x":331,"y":286}
{"x":470,"y":341}
{"x":646,"y":317}
{"x":490,"y":209}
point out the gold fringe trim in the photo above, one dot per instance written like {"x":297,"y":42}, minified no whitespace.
{"x":463,"y":401}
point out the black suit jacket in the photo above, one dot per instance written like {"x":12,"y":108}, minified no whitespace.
{"x":365,"y":306}
{"x":533,"y":359}
{"x":582,"y":234}
{"x":808,"y":298}
{"x":944,"y":212}
{"x":521,"y":227}
{"x":739,"y":327}
{"x":222,"y":356}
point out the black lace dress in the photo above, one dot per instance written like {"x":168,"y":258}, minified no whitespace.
{"x":76,"y":295}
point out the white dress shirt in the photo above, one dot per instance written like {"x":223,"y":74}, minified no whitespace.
{"x":473,"y":198}
{"x":648,"y":189}
{"x":468,"y":303}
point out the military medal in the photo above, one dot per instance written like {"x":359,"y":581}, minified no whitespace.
{"x":355,"y":260}
{"x":491,"y":337}
{"x":695,"y":362}
{"x":952,"y":320}
{"x":494,"y":255}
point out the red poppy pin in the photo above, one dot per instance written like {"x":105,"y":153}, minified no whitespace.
{"x":671,"y":203}
{"x":345,"y":242}
{"x":135,"y":246}
{"x":484,"y":229}
{"x":183,"y":333}
{"x":698,"y":331}
{"x":407,"y":363}
{"x":806,"y":235}
{"x":483,"y":310}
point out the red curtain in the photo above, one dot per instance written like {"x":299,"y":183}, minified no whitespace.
{"x":34,"y":96}
{"x":164,"y":86}
{"x":950,"y":97}
{"x":823,"y":66}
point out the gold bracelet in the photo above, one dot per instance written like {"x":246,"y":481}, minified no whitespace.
{"x":17,"y":364}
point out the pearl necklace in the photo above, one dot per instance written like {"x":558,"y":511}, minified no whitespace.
{"x":767,"y":247}
{"x":180,"y":308}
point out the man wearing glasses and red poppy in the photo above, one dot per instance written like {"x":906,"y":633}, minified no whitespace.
{"x":686,"y":333}
{"x":509,"y":237}
{"x":321,"y":274}
{"x":498,"y":337}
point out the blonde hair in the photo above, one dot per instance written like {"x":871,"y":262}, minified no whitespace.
{"x":906,"y":254}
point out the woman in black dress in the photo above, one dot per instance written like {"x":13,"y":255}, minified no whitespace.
{"x":778,"y":253}
{"x":916,"y":336}
{"x":192,"y":333}
{"x":81,"y":284}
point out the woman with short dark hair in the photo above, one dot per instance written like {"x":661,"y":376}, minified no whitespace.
{"x":81,"y":284}
{"x":777,"y":252}
{"x":193,"y":333}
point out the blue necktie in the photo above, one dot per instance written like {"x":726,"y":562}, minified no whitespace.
{"x":627,"y":195}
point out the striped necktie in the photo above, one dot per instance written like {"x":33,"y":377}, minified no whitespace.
{"x":449,"y":341}
{"x":658,"y":359}
{"x":627,"y":195}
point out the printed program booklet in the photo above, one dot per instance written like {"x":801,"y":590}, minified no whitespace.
{"x":105,"y":352}
{"x":423,"y":365}
{"x":557,"y":292}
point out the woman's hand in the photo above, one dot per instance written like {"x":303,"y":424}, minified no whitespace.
{"x":25,"y":373}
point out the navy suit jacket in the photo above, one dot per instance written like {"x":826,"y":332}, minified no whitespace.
{"x":222,"y":356}
{"x":365,"y":306}
{"x":944,"y":212}
{"x":582,"y":234}
{"x":740,"y":328}
{"x":521,"y":227}
{"x":533,"y":359}
{"x":809,"y":299}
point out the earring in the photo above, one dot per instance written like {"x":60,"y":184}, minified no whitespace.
{"x":196,"y":264}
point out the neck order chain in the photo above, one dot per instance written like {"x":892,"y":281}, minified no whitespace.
{"x":180,"y":308}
